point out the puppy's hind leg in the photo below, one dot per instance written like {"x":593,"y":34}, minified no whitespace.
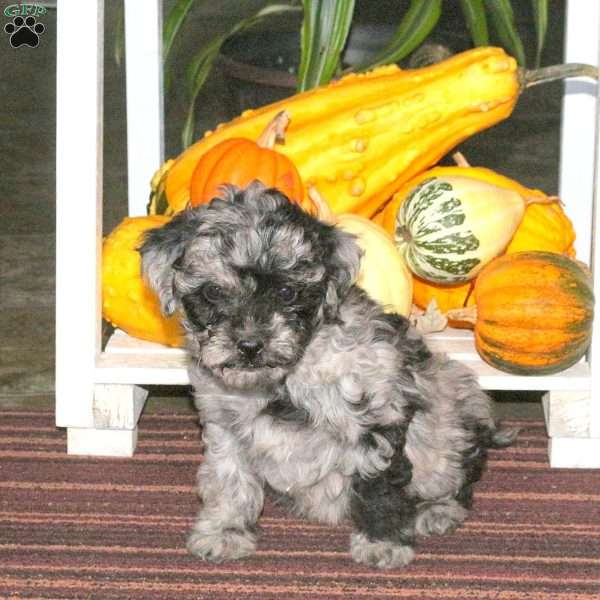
{"x":445,"y":514}
{"x":232,"y":498}
{"x":384,"y":517}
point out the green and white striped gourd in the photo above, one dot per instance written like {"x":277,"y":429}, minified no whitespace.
{"x":449,"y":228}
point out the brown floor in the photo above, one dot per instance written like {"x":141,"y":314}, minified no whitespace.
{"x":110,"y":528}
{"x":524,"y":147}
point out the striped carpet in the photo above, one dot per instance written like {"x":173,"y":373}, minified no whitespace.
{"x":115,"y":528}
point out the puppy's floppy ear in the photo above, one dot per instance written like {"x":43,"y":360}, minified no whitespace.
{"x":161,"y":250}
{"x":343,"y":267}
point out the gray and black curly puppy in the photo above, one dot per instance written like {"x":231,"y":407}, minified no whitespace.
{"x":307,"y":389}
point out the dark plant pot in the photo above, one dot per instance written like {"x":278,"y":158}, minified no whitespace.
{"x":261,"y":67}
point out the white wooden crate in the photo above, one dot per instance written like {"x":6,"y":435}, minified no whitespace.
{"x":99,"y":393}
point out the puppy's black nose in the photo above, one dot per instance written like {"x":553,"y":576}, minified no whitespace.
{"x":250,"y":348}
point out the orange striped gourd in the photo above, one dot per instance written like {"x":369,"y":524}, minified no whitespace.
{"x":533,"y":313}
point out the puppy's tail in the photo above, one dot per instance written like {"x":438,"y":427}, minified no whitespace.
{"x":501,"y":437}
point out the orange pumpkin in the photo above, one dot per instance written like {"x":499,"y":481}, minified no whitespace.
{"x":533,"y":313}
{"x":240,"y":161}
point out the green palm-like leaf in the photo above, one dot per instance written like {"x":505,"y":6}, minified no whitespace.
{"x":202,"y":63}
{"x":476,"y":21}
{"x":503,"y":18}
{"x":173,"y":22}
{"x":540,"y":17}
{"x":198,"y":72}
{"x":418,"y":22}
{"x":325,"y":29}
{"x":171,"y":26}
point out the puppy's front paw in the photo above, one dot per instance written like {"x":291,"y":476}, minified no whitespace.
{"x":381,"y":554}
{"x":218,"y":546}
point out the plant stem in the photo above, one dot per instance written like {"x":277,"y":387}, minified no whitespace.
{"x":540,"y":200}
{"x":556,"y":73}
{"x":460,"y":159}
{"x":466,"y":315}
{"x":274,"y":132}
{"x":404,"y":234}
{"x":324,"y":212}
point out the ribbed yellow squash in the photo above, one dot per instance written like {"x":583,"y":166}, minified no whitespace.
{"x":545,"y":227}
{"x":360,"y":138}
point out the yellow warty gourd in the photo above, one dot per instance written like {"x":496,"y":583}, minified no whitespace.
{"x":127,"y":302}
{"x":360,"y":138}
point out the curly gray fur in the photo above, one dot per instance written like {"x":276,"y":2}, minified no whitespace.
{"x":305,"y":387}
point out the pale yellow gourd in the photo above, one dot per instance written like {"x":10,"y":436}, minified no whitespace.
{"x":383,"y":273}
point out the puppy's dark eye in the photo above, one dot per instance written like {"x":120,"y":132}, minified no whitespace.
{"x":212,"y":292}
{"x":287,"y":294}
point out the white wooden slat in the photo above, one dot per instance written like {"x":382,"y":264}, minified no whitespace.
{"x":458,"y":344}
{"x":594,"y":354}
{"x":129,"y":360}
{"x":574,"y":453}
{"x":101,"y":442}
{"x":79,"y":89}
{"x":120,"y":342}
{"x":567,"y":413}
{"x":141,"y":369}
{"x":577,"y":163}
{"x":145,"y":132}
